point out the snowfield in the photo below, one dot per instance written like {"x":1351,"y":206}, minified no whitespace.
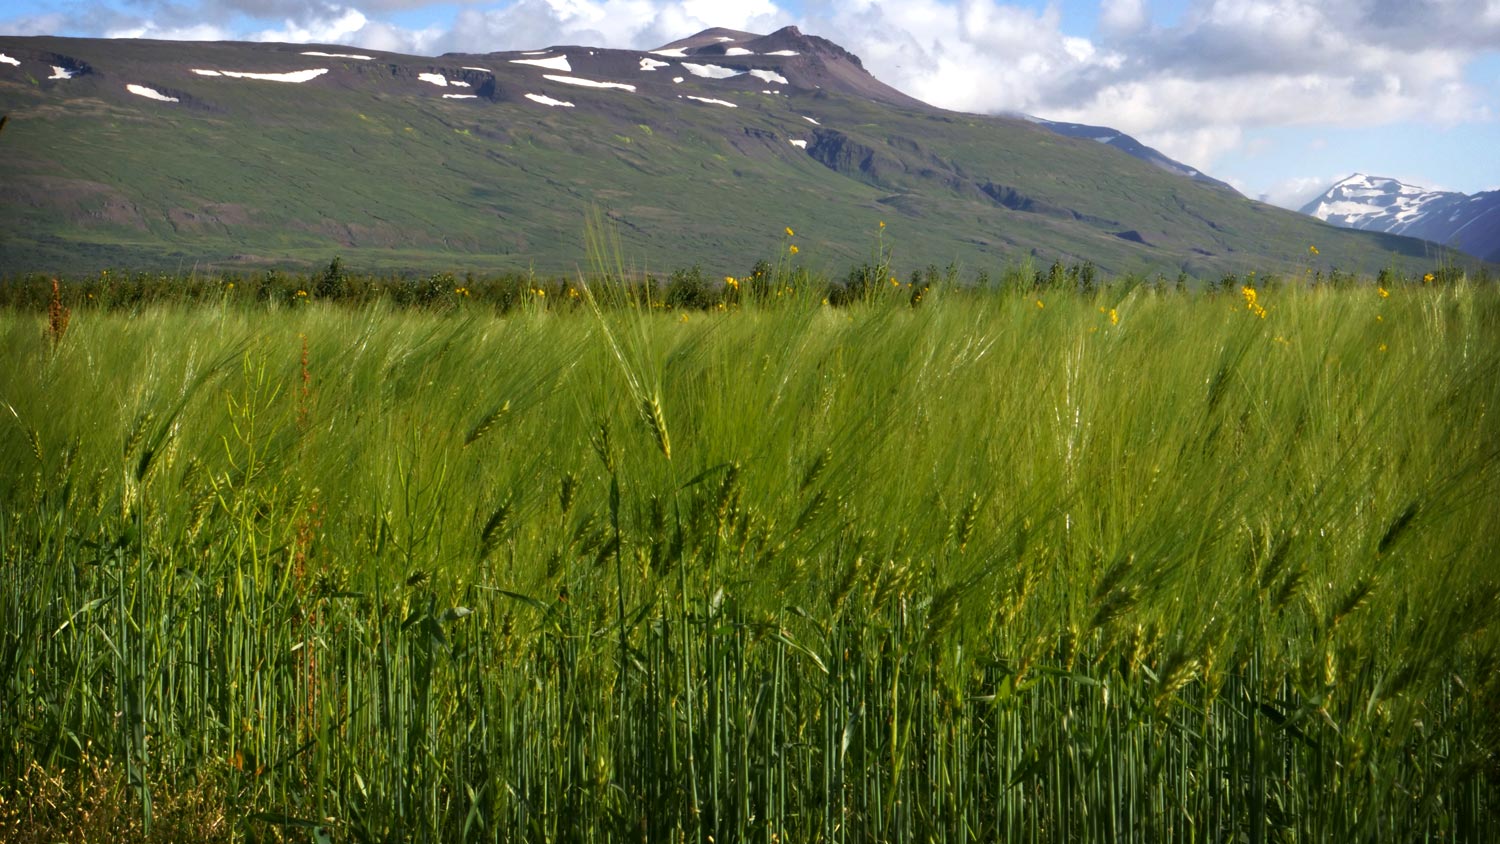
{"x":291,"y":76}
{"x":711,"y":71}
{"x":712,"y":100}
{"x":553,"y":63}
{"x":547,"y":101}
{"x":150,"y":93}
{"x":588,"y":83}
{"x":337,"y":55}
{"x":769,"y":76}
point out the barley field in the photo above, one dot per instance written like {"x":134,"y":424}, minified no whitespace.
{"x":933,"y":563}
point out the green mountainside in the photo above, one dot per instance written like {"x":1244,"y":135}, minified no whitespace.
{"x":145,"y":154}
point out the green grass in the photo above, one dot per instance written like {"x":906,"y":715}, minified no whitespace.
{"x":994,"y":567}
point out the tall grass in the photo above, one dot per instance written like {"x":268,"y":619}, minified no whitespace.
{"x":1131,"y":566}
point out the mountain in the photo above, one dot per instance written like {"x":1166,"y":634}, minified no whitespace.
{"x":183,"y":155}
{"x":1373,"y":203}
{"x":1128,"y":145}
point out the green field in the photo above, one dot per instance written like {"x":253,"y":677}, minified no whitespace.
{"x":947,"y":563}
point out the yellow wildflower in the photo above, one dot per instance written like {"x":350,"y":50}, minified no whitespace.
{"x":789,"y":232}
{"x":794,"y":250}
{"x":1114,"y":317}
{"x":1312,"y":249}
{"x":894,"y":282}
{"x":1427,"y":279}
{"x":1039,"y":304}
{"x":1382,"y":347}
{"x":1384,"y":294}
{"x":882,"y":223}
{"x":302,"y":293}
{"x":731,"y":282}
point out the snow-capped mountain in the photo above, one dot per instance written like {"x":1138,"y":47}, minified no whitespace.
{"x":1374,"y":203}
{"x":147,"y":153}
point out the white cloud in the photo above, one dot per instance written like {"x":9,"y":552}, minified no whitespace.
{"x":1122,"y":17}
{"x":1297,"y":191}
{"x":1190,"y":89}
{"x":350,"y":26}
{"x":631,"y":24}
{"x":150,"y":29}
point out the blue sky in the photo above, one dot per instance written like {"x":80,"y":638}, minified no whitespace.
{"x":1278,"y":97}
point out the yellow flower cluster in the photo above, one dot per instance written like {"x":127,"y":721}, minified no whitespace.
{"x":537,"y":291}
{"x":793,"y":249}
{"x":1427,"y":279}
{"x":302,"y":294}
{"x":731,"y":282}
{"x":1252,"y":301}
{"x":1384,"y":294}
{"x":461,"y":291}
{"x":1312,"y":250}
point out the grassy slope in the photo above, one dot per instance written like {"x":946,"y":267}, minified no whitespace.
{"x":380,"y":169}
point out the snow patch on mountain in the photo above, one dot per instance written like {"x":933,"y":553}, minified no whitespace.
{"x":653,"y":64}
{"x":547,"y":101}
{"x":435,"y":78}
{"x":553,"y":63}
{"x":150,"y":93}
{"x":798,"y":143}
{"x":711,"y":71}
{"x":783,"y":53}
{"x":738,"y":51}
{"x":673,"y":53}
{"x":711,"y":100}
{"x":769,"y":76}
{"x":61,"y":73}
{"x":337,"y":55}
{"x":296,"y":76}
{"x":460,"y":96}
{"x":588,"y":83}
{"x":4,"y":59}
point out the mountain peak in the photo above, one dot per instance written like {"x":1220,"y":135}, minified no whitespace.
{"x":1383,"y":204}
{"x":807,"y":61}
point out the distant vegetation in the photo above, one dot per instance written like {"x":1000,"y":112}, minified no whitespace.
{"x":686,"y":288}
{"x":775,"y":558}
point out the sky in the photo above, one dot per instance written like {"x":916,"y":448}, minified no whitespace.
{"x":1280,"y":98}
